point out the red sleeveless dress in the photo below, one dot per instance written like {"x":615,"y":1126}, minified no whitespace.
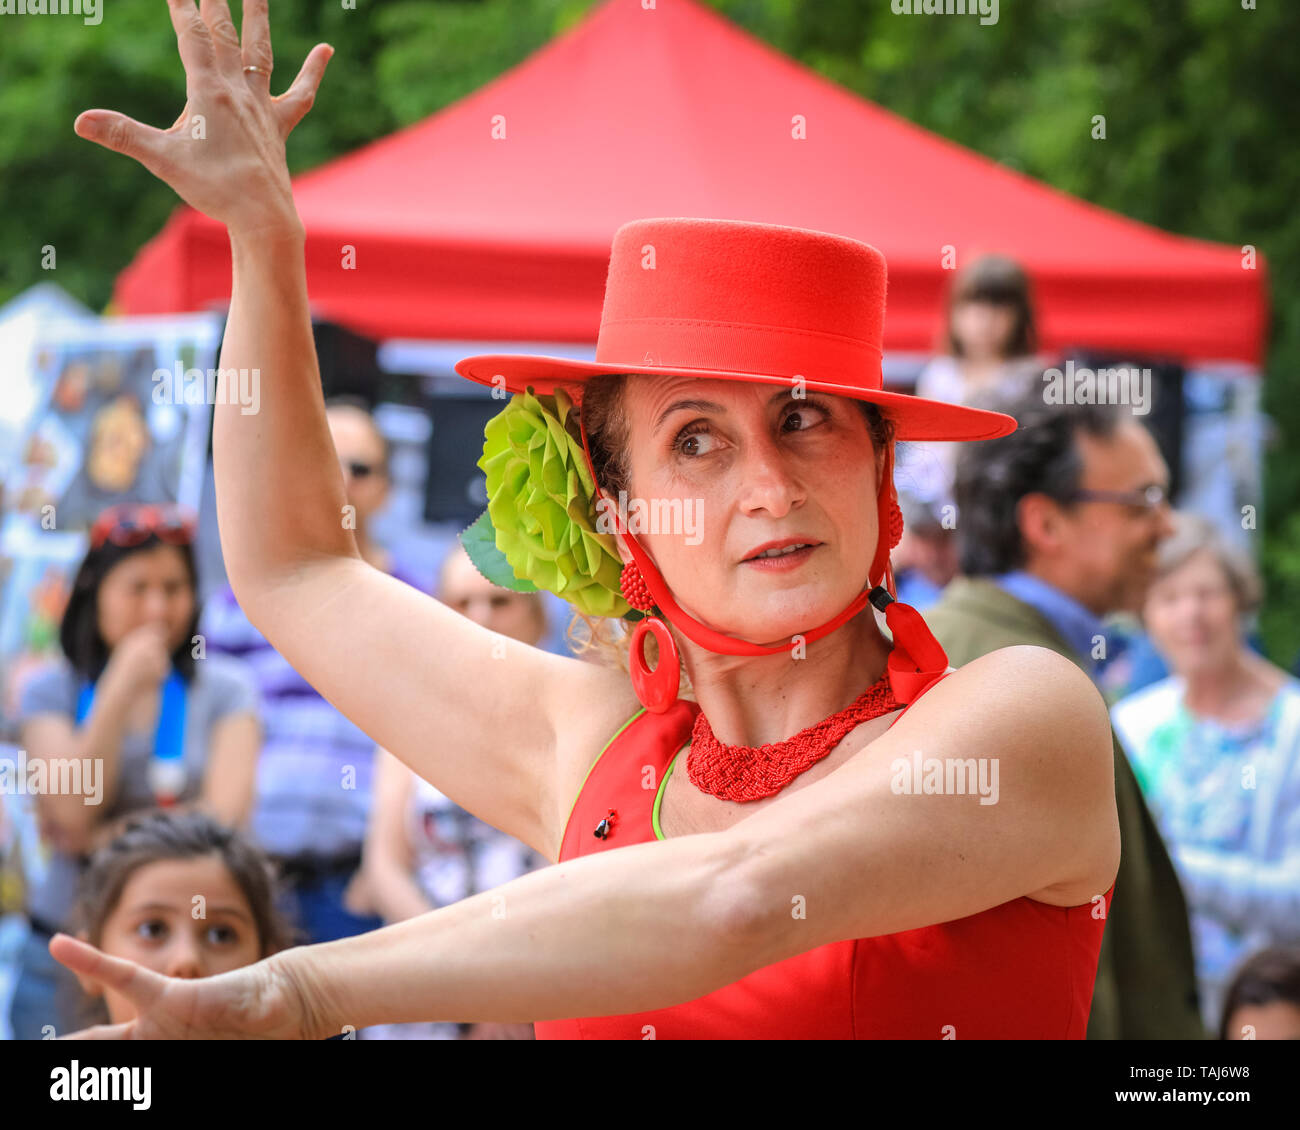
{"x":1022,"y":970}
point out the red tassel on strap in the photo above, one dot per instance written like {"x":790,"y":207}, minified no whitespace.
{"x":918,"y":659}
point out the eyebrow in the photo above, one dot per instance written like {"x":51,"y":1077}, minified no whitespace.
{"x":710,"y":406}
{"x":233,"y":911}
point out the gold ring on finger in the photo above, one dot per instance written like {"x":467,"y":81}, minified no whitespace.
{"x":259,"y":70}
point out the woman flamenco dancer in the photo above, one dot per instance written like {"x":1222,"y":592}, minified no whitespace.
{"x":778,"y":857}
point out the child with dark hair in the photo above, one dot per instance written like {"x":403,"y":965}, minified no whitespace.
{"x":180,"y":894}
{"x":1263,"y":999}
{"x":132,"y":716}
{"x":989,"y":344}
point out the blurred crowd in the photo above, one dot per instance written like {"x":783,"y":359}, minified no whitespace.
{"x":1062,"y":535}
{"x":226,"y":776}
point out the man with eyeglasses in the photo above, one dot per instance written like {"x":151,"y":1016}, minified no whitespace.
{"x":315,"y":774}
{"x":1058,"y":525}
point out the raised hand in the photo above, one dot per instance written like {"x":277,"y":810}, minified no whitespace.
{"x":258,"y":1002}
{"x":224,"y":155}
{"x":140,"y":661}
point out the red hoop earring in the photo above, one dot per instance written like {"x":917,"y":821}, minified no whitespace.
{"x":657,"y":689}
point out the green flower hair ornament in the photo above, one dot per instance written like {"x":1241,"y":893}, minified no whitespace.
{"x":539,"y":530}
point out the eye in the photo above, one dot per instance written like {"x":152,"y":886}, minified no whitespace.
{"x":152,"y":929}
{"x":693,"y":440}
{"x":808,"y":414}
{"x":222,"y":935}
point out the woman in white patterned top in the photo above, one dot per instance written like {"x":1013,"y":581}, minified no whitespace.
{"x":1216,"y":749}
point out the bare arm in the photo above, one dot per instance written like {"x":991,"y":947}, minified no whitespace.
{"x":595,"y":936}
{"x":870,"y":859}
{"x":231,"y":773}
{"x":603,"y":935}
{"x":71,"y":820}
{"x":387,"y":858}
{"x":496,"y":733}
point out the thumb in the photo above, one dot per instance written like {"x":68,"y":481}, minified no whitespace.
{"x":119,"y":133}
{"x":295,"y":102}
{"x":141,"y":986}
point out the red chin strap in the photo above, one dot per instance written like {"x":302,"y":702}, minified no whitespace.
{"x":916,"y":660}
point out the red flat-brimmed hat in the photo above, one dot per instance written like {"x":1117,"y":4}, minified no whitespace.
{"x":728,"y":300}
{"x":731,"y":300}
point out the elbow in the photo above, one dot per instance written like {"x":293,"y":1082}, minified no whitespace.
{"x":743,"y":914}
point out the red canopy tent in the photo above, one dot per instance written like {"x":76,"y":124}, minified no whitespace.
{"x":492,"y":219}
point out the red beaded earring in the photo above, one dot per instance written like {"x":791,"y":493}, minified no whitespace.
{"x":657,"y":689}
{"x":895,"y":521}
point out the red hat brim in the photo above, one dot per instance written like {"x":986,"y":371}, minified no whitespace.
{"x":915,"y":418}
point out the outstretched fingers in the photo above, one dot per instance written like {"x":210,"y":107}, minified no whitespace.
{"x":225,"y":39}
{"x":193,"y":40}
{"x":256,"y":28}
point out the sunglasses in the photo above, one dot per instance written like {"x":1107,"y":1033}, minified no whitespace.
{"x":133,"y":523}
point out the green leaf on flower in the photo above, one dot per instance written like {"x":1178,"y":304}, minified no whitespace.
{"x":480,"y":542}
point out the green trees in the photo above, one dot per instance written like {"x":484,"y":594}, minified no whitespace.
{"x":1201,"y":100}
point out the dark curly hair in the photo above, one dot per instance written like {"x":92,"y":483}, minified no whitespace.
{"x":1039,"y":457}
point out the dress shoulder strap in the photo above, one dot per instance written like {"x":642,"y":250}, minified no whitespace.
{"x":617,"y":780}
{"x":917,"y":697}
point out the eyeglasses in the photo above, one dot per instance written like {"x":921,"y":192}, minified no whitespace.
{"x":1148,"y":498}
{"x":133,"y":523}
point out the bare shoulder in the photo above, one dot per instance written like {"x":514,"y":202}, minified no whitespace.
{"x":1043,"y":720}
{"x":594,"y":704}
{"x":1027,"y":692}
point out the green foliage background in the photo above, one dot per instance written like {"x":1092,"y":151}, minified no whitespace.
{"x":1201,"y":98}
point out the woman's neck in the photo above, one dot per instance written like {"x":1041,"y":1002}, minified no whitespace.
{"x":1238,"y":689}
{"x":980,"y":371}
{"x":752,"y":700}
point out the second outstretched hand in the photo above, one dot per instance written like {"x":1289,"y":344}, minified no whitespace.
{"x":257,"y":1002}
{"x":224,"y":155}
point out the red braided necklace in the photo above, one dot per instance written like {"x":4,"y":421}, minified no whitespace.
{"x":738,"y":772}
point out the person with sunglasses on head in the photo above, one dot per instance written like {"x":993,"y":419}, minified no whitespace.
{"x":764,"y":859}
{"x":1058,"y":525}
{"x":145,"y":715}
{"x":315,"y":775}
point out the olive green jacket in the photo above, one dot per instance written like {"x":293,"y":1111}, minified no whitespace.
{"x":1146,"y":978}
